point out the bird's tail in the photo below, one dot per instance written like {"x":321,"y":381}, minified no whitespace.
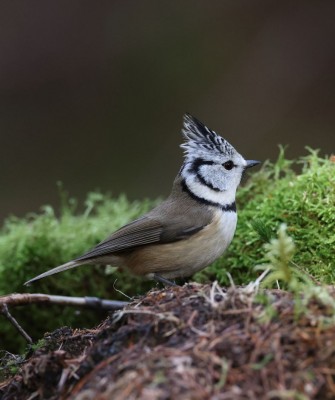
{"x":60,"y":268}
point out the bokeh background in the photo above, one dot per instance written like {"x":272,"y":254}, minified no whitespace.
{"x":92,"y":93}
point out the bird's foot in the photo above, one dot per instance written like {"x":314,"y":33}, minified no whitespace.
{"x":164,"y":281}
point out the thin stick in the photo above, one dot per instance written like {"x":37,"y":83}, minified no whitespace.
{"x":4,"y":310}
{"x":17,"y":299}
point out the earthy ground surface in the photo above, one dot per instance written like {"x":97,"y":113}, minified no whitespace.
{"x":191,"y":342}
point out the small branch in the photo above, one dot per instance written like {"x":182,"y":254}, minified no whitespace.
{"x":4,"y":310}
{"x":18,"y":299}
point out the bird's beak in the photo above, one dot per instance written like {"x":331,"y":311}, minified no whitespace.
{"x":252,"y":163}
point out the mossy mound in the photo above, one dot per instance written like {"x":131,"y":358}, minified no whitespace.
{"x":303,"y":200}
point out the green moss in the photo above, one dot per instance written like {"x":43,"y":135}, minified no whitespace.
{"x":31,"y":245}
{"x":304,"y":201}
{"x":9,"y":364}
{"x":280,"y":270}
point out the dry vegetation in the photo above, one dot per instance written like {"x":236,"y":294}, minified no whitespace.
{"x":190,"y":342}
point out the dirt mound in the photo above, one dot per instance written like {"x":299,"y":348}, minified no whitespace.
{"x":191,"y":342}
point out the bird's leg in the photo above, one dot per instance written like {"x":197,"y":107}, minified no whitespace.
{"x":165,"y":281}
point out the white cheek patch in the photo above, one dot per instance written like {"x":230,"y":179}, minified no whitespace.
{"x":214,"y":177}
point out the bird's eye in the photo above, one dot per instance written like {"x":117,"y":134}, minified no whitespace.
{"x":228,"y":165}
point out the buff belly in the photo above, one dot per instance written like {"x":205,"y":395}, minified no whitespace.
{"x":185,"y":257}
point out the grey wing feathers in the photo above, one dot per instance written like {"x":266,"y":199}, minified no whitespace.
{"x":142,"y":231}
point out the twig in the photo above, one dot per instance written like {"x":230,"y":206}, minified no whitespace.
{"x":119,"y":291}
{"x":17,"y":299}
{"x":4,"y":310}
{"x":162,"y":315}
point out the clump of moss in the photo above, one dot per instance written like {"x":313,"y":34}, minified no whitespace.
{"x":33,"y":244}
{"x":300,"y":194}
{"x":38,"y":242}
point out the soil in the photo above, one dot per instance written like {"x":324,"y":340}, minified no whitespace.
{"x":190,"y":342}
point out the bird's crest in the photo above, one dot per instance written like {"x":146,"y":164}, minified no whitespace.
{"x":201,"y":140}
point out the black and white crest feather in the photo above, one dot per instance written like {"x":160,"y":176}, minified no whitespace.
{"x":201,"y":139}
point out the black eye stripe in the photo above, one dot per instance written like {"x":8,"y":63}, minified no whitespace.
{"x":198,"y":162}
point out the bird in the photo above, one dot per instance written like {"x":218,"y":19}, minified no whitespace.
{"x":191,"y":228}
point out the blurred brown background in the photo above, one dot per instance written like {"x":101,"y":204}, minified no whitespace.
{"x":93,"y":93}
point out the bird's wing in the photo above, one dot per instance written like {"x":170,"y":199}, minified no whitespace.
{"x":164,"y":224}
{"x":145,"y":230}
